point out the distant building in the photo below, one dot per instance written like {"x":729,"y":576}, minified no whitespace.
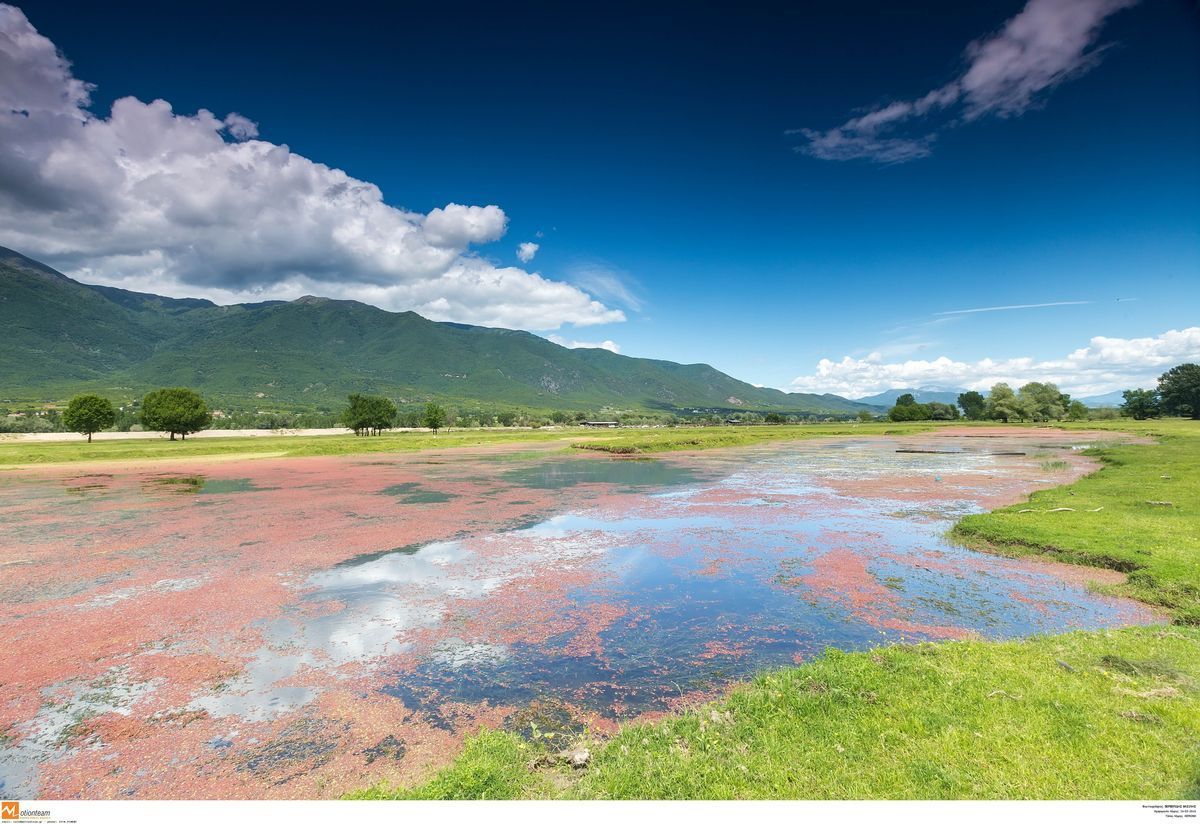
{"x":602,"y":424}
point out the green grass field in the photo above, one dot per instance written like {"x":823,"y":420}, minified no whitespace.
{"x":1086,"y":715}
{"x":641,"y":440}
{"x":14,"y":453}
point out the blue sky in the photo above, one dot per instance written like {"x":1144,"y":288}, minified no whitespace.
{"x":697,"y":172}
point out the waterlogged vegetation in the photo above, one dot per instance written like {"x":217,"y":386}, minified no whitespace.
{"x":1105,"y":714}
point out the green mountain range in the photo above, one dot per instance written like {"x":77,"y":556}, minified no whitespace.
{"x":61,"y":337}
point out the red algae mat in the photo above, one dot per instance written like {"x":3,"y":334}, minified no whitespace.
{"x":303,"y":627}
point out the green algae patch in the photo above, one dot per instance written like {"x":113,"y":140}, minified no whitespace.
{"x":367,"y":557}
{"x":200,"y":485}
{"x":228,"y":486}
{"x":414,"y":493}
{"x":177,"y":483}
{"x":624,"y":473}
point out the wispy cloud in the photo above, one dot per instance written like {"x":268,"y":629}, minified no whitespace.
{"x":902,"y":346}
{"x":1103,"y":365}
{"x":1015,"y":306}
{"x":1006,"y":73}
{"x":607,"y":282}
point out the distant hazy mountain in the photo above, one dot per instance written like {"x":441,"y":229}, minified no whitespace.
{"x":1107,"y":399}
{"x":927,"y":394}
{"x":61,"y":336}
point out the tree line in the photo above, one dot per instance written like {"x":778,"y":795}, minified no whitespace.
{"x":181,"y":411}
{"x":1178,"y":393}
{"x":372,"y":414}
{"x":176,"y":410}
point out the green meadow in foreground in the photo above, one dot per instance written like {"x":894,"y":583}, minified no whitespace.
{"x":1109,"y":714}
{"x":1083,"y":715}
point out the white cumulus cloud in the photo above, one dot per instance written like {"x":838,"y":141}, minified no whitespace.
{"x":149,"y":199}
{"x":582,"y":344}
{"x":1046,"y":43}
{"x":526,"y":251}
{"x":1104,"y":365}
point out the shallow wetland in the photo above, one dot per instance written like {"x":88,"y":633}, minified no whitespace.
{"x":301,"y":627}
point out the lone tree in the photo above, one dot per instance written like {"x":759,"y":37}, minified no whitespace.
{"x":1179,"y":389}
{"x":1140,"y":404}
{"x":89,"y":413}
{"x":434,"y":417}
{"x":177,"y":410}
{"x":369,"y":414}
{"x":973,"y":405}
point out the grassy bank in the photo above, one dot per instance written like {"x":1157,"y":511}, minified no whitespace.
{"x":1140,"y":514}
{"x":620,"y":442}
{"x":642,"y":441}
{"x":1112,"y":714}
